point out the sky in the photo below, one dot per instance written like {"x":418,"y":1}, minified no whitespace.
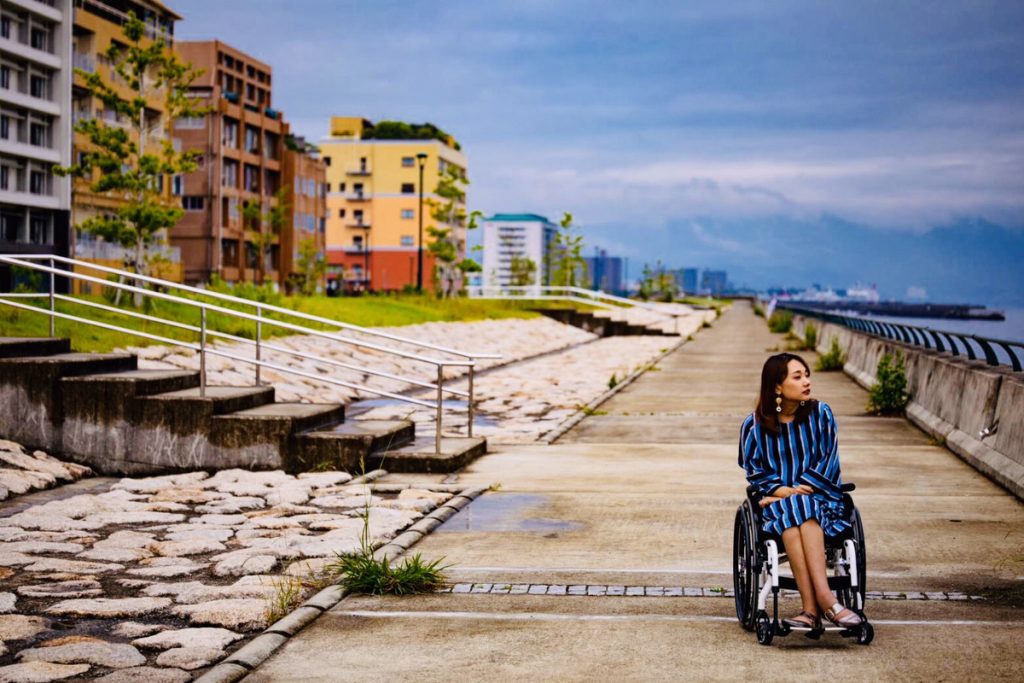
{"x":676,"y":130}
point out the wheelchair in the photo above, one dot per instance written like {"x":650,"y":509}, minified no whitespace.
{"x":756,"y":559}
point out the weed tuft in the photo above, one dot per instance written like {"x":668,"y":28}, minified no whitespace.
{"x":888,"y":395}
{"x":361,"y":572}
{"x":834,"y":360}
{"x":288,"y":594}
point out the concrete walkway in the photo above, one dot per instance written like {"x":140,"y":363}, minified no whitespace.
{"x":644,"y":496}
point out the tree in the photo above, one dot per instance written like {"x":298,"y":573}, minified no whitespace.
{"x":523,"y":270}
{"x":311,"y":267}
{"x":256,"y":233}
{"x":566,"y":255}
{"x":123,"y":161}
{"x":450,"y":212}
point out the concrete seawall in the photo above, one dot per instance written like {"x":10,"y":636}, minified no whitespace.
{"x":951,"y":398}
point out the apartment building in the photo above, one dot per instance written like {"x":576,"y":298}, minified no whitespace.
{"x":516,"y":235}
{"x":242,"y":142}
{"x":97,"y":25}
{"x":305,"y":177}
{"x":35,"y":123}
{"x":373,"y":203}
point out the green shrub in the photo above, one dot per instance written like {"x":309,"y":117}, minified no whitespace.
{"x":758,"y":310}
{"x":613,"y":381}
{"x":833,"y":360}
{"x":362,"y":573}
{"x":810,"y":337}
{"x":781,"y":321}
{"x":888,"y":395}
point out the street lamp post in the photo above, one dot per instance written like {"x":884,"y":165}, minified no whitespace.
{"x":421,"y":157}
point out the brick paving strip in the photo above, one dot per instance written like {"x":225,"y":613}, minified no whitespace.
{"x":602,"y":590}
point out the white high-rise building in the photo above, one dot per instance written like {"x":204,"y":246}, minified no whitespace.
{"x":511,"y":235}
{"x":35,"y":125}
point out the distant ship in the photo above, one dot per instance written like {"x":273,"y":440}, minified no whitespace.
{"x":863,"y":300}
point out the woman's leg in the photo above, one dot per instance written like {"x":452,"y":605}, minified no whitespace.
{"x":813,"y":543}
{"x":798,"y":565}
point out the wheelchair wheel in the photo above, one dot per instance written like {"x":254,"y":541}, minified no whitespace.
{"x":862,"y":556}
{"x":745,"y":574}
{"x":866,"y":634}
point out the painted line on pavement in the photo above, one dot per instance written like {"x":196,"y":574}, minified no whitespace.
{"x":619,"y":570}
{"x":549,"y":616}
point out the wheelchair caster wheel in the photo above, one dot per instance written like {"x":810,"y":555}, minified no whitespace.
{"x":866,"y":634}
{"x":763,"y":628}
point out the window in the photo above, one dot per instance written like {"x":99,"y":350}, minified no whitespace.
{"x":37,"y":182}
{"x":252,"y":178}
{"x":10,"y":225}
{"x":341,"y":213}
{"x":37,"y":135}
{"x":407,"y":241}
{"x":5,"y":77}
{"x":230,"y":137}
{"x":4,"y":177}
{"x":37,"y":87}
{"x":408,"y":162}
{"x":5,"y":27}
{"x":357,"y":241}
{"x":37,"y":229}
{"x":408,"y":214}
{"x":191,"y":122}
{"x":357,"y":215}
{"x":408,"y":188}
{"x":5,"y":126}
{"x":193,"y":202}
{"x":229,"y":174}
{"x":229,"y":252}
{"x":341,"y":187}
{"x":252,"y":140}
{"x":177,"y":185}
{"x":327,"y":160}
{"x":38,"y":39}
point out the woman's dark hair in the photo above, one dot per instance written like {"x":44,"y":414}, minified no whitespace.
{"x":774,"y":373}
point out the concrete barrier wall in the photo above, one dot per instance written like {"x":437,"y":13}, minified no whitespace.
{"x":951,"y":398}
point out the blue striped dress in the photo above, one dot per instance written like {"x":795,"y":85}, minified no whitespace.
{"x":804,"y":453}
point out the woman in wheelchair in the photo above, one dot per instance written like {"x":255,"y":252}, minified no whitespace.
{"x":789,"y":450}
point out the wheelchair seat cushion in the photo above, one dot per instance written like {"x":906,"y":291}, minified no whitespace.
{"x":795,"y":510}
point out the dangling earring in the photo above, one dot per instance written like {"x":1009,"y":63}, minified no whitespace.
{"x":778,"y":403}
{"x":802,"y":403}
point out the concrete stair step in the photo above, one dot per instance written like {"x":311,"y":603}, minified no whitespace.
{"x":110,"y":396}
{"x":19,"y":347}
{"x":348,"y":446}
{"x":419,"y":456}
{"x":68,"y":364}
{"x":220,"y":400}
{"x":302,"y":417}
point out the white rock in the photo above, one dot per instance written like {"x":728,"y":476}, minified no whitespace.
{"x":242,"y":562}
{"x":40,"y":672}
{"x":110,"y":607}
{"x":165,"y":567}
{"x":116,"y":554}
{"x":72,"y":566}
{"x":21,"y":627}
{"x":189,"y":658}
{"x":218,"y":638}
{"x":241,"y":614}
{"x":322,"y":479}
{"x":157,"y":484}
{"x":134,"y":517}
{"x":84,"y":650}
{"x":146,"y":674}
{"x":199,"y":532}
{"x":7,"y":602}
{"x":38,"y":547}
{"x":191,"y":547}
{"x":220,"y":520}
{"x":435,"y":497}
{"x":10,"y":558}
{"x":82,"y":588}
{"x":171,"y":589}
{"x":232,"y":505}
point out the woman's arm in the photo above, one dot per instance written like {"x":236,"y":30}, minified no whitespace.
{"x":823,"y":475}
{"x":760,"y":470}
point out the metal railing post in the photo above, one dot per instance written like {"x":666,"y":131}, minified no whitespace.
{"x":259,"y":337}
{"x":202,"y":352}
{"x":53,"y":319}
{"x":440,"y":409}
{"x":469,"y":425}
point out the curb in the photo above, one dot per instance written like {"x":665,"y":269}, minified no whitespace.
{"x":577,"y":417}
{"x":246,"y":659}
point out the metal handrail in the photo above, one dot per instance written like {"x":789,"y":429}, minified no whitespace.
{"x":915,"y":335}
{"x":30,"y":261}
{"x":590,"y":297}
{"x":257,"y":304}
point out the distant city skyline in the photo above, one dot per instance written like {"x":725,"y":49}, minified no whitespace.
{"x":669,"y":131}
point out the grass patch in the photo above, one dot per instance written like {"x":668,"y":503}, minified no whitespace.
{"x":288,"y":594}
{"x":367,"y":311}
{"x":613,"y":381}
{"x":781,"y":321}
{"x":588,"y":411}
{"x":888,"y":395}
{"x":362,"y":573}
{"x":834,"y":360}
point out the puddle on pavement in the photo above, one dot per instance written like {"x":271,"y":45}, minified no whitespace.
{"x":505,"y":512}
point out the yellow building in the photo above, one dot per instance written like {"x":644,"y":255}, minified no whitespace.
{"x":98,"y":23}
{"x":373,"y":202}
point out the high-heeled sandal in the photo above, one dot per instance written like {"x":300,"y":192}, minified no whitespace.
{"x":848,"y":621}
{"x":804,"y":620}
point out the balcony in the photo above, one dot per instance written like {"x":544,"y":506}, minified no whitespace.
{"x":358,"y":170}
{"x":358,"y":196}
{"x":360,"y":224}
